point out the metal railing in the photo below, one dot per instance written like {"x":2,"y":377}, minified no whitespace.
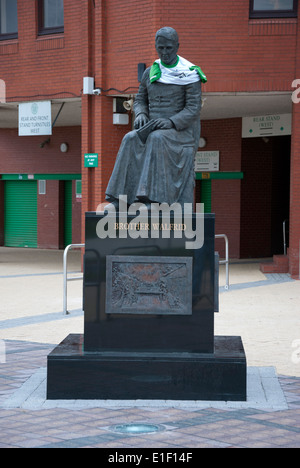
{"x":66,"y":278}
{"x":226,"y":261}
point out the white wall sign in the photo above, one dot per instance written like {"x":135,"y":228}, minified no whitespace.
{"x":35,"y":118}
{"x":267,"y":125}
{"x":207,"y":161}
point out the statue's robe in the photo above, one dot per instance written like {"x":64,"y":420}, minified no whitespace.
{"x":162,"y":169}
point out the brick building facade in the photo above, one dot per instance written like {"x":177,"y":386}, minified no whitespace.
{"x":251,"y":58}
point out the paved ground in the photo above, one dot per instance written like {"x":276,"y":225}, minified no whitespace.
{"x":264,"y":310}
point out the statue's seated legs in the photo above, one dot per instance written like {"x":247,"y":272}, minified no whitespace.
{"x":159,"y":170}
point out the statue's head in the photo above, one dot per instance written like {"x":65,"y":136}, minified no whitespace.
{"x":167,"y":45}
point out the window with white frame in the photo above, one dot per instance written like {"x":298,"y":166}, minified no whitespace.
{"x":273,"y":8}
{"x":8,"y":19}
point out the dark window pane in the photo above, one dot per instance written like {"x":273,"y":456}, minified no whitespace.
{"x":8,"y":17}
{"x":273,"y":5}
{"x":273,"y":8}
{"x":51,"y":16}
{"x":53,"y":13}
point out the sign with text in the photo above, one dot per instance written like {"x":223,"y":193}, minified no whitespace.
{"x":267,"y":125}
{"x":35,"y":118}
{"x":207,"y":161}
{"x":91,"y":160}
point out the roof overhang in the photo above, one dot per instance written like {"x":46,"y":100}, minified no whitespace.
{"x":216,"y":106}
{"x":70,"y":115}
{"x":234,"y":105}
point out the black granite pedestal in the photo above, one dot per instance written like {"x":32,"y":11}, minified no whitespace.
{"x":75,"y":374}
{"x":149,"y":306}
{"x":149,"y":294}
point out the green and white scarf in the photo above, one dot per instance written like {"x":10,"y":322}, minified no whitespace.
{"x":182,"y":72}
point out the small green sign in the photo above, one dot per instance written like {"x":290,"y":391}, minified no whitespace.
{"x":91,"y":160}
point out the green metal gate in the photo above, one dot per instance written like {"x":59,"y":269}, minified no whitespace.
{"x":206,"y":195}
{"x":20,"y":214}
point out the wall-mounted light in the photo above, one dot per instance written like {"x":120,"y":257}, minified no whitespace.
{"x":64,"y":147}
{"x":202,"y":142}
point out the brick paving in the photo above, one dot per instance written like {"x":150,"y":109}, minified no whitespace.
{"x":179,"y":428}
{"x":31,"y":318}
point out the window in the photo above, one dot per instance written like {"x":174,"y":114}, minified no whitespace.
{"x":8,"y":19}
{"x":42,"y":187}
{"x":51,"y":16}
{"x":273,"y":8}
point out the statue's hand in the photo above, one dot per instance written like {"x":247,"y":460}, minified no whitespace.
{"x":140,"y":121}
{"x":163,"y":124}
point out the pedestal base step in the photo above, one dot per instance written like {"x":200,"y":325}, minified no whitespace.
{"x":75,"y":374}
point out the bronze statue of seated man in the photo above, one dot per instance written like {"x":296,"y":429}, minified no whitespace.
{"x":155,"y":162}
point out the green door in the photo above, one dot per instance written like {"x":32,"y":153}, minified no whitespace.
{"x":206,"y":195}
{"x":20,"y":214}
{"x":68,"y":213}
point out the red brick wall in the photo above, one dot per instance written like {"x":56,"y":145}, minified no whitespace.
{"x":295,"y":194}
{"x":226,"y":205}
{"x":129,"y":39}
{"x":43,"y":68}
{"x":225,"y":136}
{"x":48,"y":216}
{"x":38,"y":66}
{"x":24,"y":154}
{"x":236,"y":53}
{"x":51,"y":216}
{"x":107,"y":39}
{"x":295,"y":199}
{"x":295,"y":177}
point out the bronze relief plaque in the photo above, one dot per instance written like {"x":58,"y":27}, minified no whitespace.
{"x":149,"y":285}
